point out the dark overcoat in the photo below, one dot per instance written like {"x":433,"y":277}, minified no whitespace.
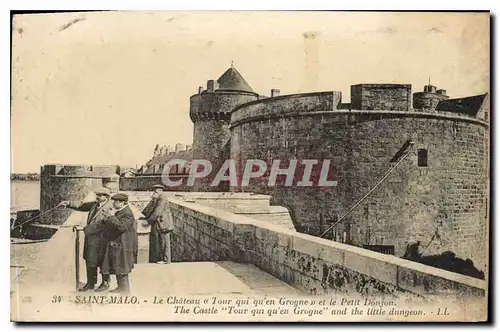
{"x":159,"y":216}
{"x":93,"y":242}
{"x":120,"y":252}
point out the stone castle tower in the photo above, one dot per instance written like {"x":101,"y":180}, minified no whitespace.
{"x":429,"y":150}
{"x":429,"y":98}
{"x":71,"y":182}
{"x":210,"y":111}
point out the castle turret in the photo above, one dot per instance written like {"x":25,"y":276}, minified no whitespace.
{"x":71,"y":183}
{"x":210,"y":112}
{"x":429,"y":98}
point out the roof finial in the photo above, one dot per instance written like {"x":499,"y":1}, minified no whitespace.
{"x":232,"y":64}
{"x":429,"y":80}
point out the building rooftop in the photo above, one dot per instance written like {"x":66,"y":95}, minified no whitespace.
{"x":164,"y":157}
{"x":468,"y":105}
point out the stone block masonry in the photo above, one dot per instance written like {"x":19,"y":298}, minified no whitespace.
{"x":146,"y":182}
{"x":244,"y":204}
{"x":311,"y":264}
{"x":445,"y":194}
{"x":210,"y":113}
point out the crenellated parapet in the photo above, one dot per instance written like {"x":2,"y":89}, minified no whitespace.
{"x":217,"y":105}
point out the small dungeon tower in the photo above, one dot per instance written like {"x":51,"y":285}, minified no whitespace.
{"x":429,"y":98}
{"x":210,"y":111}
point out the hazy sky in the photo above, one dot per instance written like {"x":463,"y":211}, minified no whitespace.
{"x":110,"y":86}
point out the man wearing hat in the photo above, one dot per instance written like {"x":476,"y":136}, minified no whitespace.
{"x":94,"y":242}
{"x":158,"y":215}
{"x":120,"y":252}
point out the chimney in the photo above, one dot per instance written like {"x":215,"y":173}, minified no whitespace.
{"x":210,"y":86}
{"x":200,"y":90}
{"x":430,"y":89}
{"x":275,"y":92}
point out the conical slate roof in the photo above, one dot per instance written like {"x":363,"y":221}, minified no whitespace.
{"x":232,"y":80}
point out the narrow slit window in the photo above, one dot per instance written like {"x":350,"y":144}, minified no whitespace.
{"x":422,"y":157}
{"x":486,"y":209}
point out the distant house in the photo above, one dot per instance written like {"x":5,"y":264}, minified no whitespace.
{"x":156,"y":164}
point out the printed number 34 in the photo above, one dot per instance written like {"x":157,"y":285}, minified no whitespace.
{"x":56,"y":299}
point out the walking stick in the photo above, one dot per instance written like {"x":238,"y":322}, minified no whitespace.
{"x":77,"y":257}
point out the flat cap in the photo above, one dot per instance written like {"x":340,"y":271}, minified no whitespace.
{"x":103,"y":191}
{"x":158,"y":186}
{"x":120,"y":197}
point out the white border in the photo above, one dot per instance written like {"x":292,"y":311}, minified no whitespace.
{"x":200,"y":5}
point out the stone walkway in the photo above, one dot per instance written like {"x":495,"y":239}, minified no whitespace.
{"x":44,"y":289}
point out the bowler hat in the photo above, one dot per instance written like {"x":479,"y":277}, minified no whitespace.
{"x":120,"y":197}
{"x":158,"y":186}
{"x":102,"y":191}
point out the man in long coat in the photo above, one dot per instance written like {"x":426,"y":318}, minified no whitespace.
{"x":98,"y":210}
{"x":120,"y":252}
{"x":157,"y":214}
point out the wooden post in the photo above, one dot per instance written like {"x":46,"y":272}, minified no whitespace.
{"x":77,"y":257}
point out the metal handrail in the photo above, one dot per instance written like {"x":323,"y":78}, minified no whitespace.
{"x":368,"y":193}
